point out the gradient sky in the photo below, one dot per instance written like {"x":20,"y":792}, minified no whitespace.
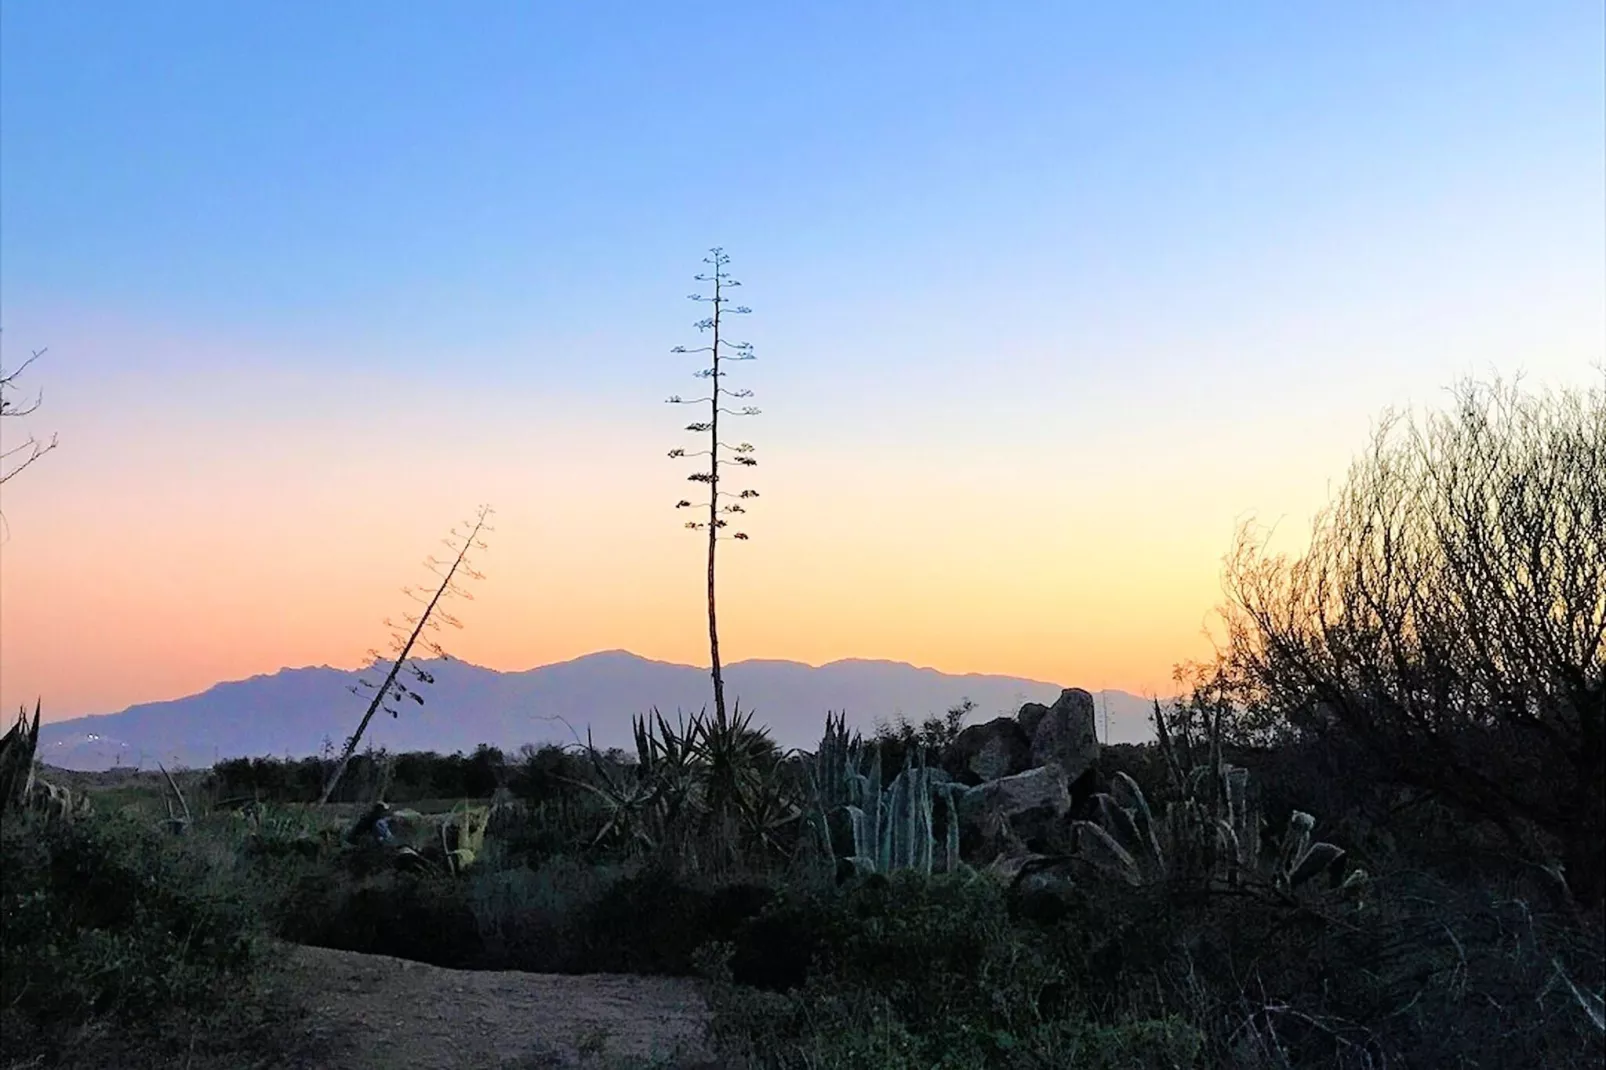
{"x":1048,"y":298}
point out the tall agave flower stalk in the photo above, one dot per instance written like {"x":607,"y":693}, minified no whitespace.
{"x":393,"y":689}
{"x":722,"y":504}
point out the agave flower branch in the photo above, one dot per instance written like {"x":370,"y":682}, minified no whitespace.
{"x":722,"y":504}
{"x":393,"y":689}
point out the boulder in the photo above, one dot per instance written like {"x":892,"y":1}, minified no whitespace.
{"x":1012,"y":812}
{"x":1066,"y":735}
{"x":1030,"y":716}
{"x":983,"y":752}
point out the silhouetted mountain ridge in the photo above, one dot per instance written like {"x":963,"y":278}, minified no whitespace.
{"x":294,"y":711}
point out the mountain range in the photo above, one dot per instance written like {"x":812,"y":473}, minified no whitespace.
{"x":293,"y":712}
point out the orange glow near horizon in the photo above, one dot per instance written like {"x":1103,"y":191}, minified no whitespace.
{"x":159,"y":552}
{"x":171,"y":565}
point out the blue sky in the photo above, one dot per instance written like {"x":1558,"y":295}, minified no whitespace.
{"x":422,"y":175}
{"x":1089,"y":260}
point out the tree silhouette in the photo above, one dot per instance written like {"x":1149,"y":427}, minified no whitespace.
{"x":1449,"y":617}
{"x":32,"y":447}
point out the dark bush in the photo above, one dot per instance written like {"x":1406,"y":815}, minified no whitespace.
{"x":1448,"y":621}
{"x":105,"y":919}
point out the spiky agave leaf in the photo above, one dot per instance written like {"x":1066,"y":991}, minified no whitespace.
{"x":1296,"y":837}
{"x":1593,"y":1006}
{"x":17,"y":749}
{"x":1243,"y":816}
{"x":1193,"y":838}
{"x":1125,"y":791}
{"x":1118,"y":822}
{"x":1100,"y":848}
{"x":949,"y":793}
{"x":1319,"y":858}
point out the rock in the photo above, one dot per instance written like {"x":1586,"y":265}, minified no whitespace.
{"x":983,"y":752}
{"x":1030,"y":716}
{"x":1066,"y":736}
{"x":1013,"y":812}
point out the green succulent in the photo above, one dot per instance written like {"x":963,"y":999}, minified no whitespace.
{"x":876,"y":829}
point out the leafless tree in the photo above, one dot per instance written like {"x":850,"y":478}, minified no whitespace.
{"x":31,"y":449}
{"x":1449,"y":616}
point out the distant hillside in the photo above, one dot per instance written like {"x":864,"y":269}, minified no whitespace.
{"x":293,"y":711}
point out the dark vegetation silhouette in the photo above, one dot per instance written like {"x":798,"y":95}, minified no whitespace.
{"x":13,"y":459}
{"x":1446,"y":630}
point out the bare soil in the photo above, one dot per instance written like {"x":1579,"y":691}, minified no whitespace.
{"x":373,"y":1012}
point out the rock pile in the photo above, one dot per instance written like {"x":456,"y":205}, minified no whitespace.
{"x":1024,"y":776}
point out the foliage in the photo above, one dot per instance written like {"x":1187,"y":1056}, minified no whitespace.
{"x":895,"y":739}
{"x":17,"y":748}
{"x":706,"y":793}
{"x":412,"y":776}
{"x":859,"y":826}
{"x":1449,"y":618}
{"x":906,"y":969}
{"x":108,"y":919}
{"x":913,"y":971}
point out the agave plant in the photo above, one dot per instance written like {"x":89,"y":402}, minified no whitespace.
{"x":875,"y":829}
{"x":17,"y":749}
{"x":1211,"y":834}
{"x":21,"y":787}
{"x":178,"y":820}
{"x":768,"y":808}
{"x":707,"y":780}
{"x":630,"y":797}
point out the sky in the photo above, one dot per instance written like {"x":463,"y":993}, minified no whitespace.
{"x":1048,"y":300}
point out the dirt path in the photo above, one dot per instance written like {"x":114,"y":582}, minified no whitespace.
{"x":373,"y":1012}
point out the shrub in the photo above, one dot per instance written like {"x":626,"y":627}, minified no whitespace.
{"x":1447,"y":619}
{"x":105,"y":920}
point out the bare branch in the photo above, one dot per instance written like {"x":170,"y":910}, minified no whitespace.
{"x":1450,"y":613}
